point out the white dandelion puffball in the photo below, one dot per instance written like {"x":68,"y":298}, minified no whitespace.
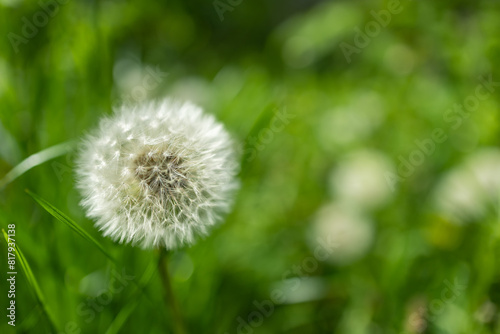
{"x":359,"y":179}
{"x":157,"y":174}
{"x":465,"y":193}
{"x":344,"y":226}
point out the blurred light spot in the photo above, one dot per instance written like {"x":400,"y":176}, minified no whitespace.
{"x":10,"y":3}
{"x":192,"y":89}
{"x":301,"y":289}
{"x":400,"y":59}
{"x":93,"y":284}
{"x":360,"y":179}
{"x":228,"y":82}
{"x":127,"y":73}
{"x":466,"y":191}
{"x":452,"y":317}
{"x":486,"y":313}
{"x":317,"y":33}
{"x":350,"y":232}
{"x":297,"y":53}
{"x":352,"y":122}
{"x":416,"y":318}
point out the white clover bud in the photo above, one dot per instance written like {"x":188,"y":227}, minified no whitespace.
{"x":158,"y":174}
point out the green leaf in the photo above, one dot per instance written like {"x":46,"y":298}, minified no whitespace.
{"x":68,"y":221}
{"x":31,"y":280}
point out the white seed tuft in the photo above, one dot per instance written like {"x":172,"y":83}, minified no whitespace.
{"x":157,"y":175}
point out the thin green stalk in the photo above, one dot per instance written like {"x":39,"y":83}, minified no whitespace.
{"x":168,"y":293}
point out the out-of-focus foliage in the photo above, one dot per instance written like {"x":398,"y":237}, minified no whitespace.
{"x":370,"y":162}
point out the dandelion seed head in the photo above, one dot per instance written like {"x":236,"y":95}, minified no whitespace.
{"x":158,"y":174}
{"x":346,"y":227}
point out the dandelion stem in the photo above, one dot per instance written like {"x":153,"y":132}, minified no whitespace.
{"x":168,"y":292}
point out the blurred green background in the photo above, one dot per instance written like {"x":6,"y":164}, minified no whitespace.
{"x":410,"y":222}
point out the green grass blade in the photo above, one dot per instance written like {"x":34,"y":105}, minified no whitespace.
{"x":122,"y":317}
{"x":68,"y":221}
{"x":31,"y":280}
{"x":263,"y":121}
{"x":56,"y":213}
{"x":35,"y":160}
{"x":126,"y":311}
